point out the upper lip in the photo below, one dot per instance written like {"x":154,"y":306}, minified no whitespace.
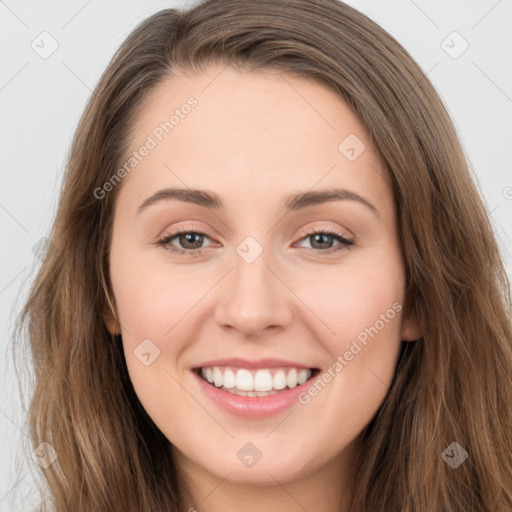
{"x":259,"y":363}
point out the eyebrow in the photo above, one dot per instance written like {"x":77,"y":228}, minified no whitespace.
{"x":294,"y":202}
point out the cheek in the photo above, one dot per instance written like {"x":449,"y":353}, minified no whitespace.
{"x":152,"y":304}
{"x":151,"y":294}
{"x":360,"y":311}
{"x":362,"y":306}
{"x":150,"y":300}
{"x":354,"y":298}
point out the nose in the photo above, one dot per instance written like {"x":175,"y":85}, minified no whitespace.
{"x":255,"y":298}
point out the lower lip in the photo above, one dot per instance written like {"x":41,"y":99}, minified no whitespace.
{"x":252,"y":407}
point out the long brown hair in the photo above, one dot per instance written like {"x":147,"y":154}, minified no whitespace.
{"x":452,"y":385}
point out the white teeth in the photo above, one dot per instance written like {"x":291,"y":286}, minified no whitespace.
{"x":217,"y":377}
{"x":261,"y":382}
{"x":250,"y":393}
{"x":279,"y":380}
{"x":244,"y":380}
{"x":291,"y":378}
{"x":302,"y":376}
{"x":229,"y":379}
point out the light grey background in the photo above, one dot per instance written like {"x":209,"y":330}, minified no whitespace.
{"x":41,"y":100}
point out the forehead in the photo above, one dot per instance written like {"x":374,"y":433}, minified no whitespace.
{"x":251,"y":134}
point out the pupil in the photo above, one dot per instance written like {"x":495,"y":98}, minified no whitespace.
{"x":321,"y":236}
{"x":189,"y":237}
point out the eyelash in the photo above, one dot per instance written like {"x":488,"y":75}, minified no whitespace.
{"x":165,"y":242}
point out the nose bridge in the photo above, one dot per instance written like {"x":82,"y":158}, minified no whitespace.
{"x":255,"y":298}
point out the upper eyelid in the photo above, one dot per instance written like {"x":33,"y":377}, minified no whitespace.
{"x":319,"y":229}
{"x":310,"y":231}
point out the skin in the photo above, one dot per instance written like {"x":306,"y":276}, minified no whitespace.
{"x":255,"y":138}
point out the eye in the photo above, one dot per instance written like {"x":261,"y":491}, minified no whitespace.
{"x":324,"y":236}
{"x":192,"y":240}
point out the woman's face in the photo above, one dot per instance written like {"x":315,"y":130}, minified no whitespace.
{"x":254,"y":296}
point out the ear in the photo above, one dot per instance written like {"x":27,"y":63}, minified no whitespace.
{"x":411,"y":328}
{"x":111,"y":322}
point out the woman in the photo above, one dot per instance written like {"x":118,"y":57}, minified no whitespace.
{"x":249,"y":371}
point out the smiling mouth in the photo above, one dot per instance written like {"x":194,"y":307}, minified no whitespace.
{"x":255,"y":383}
